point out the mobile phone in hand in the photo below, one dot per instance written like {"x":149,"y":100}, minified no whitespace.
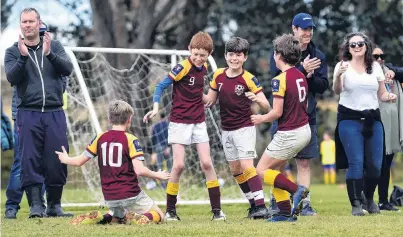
{"x":43,"y":29}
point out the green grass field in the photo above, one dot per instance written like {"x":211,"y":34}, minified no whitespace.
{"x":331,"y":202}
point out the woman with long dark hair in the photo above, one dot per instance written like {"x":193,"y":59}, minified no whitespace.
{"x":360,"y":83}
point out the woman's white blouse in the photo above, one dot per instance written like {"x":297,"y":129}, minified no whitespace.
{"x":360,"y":90}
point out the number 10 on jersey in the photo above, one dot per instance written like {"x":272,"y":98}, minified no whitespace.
{"x":111,"y":155}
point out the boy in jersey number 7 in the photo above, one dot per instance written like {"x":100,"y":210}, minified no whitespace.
{"x":187,"y":122}
{"x":236,"y":89}
{"x":120,"y":161}
{"x":290,"y":91}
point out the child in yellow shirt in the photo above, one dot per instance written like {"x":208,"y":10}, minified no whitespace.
{"x":328,"y":153}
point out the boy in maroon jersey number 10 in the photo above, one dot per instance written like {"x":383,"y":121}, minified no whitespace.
{"x":236,"y":90}
{"x":290,"y":91}
{"x":187,"y":122}
{"x":120,"y":161}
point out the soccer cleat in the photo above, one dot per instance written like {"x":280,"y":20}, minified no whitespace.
{"x":298,"y":196}
{"x":171,"y":215}
{"x":137,"y":219}
{"x":384,"y":207}
{"x":87,"y":219}
{"x":260,"y":212}
{"x":273,"y":209}
{"x":10,"y":213}
{"x":282,"y":217}
{"x":218,"y":215}
{"x":307,"y":210}
{"x":250,"y":211}
{"x":108,"y":219}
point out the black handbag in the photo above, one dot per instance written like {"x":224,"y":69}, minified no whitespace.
{"x":396,"y":197}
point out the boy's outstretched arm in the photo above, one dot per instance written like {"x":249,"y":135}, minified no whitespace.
{"x":141,"y":170}
{"x":74,"y":161}
{"x":159,"y":89}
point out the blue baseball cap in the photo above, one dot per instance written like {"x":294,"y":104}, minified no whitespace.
{"x":303,"y":20}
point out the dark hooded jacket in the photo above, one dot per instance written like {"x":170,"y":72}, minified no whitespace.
{"x":39,"y":79}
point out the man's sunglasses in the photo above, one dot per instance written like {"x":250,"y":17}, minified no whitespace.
{"x":357,"y":44}
{"x":377,"y":56}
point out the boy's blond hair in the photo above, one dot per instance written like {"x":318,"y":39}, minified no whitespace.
{"x":202,"y":40}
{"x":119,"y":112}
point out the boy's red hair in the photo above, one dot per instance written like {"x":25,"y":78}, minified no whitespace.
{"x":201,"y":40}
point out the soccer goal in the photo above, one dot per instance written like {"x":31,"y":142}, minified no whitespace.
{"x":103,"y":74}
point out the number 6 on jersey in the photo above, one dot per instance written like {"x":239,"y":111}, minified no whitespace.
{"x":301,"y":90}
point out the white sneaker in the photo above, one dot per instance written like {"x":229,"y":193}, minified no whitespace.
{"x":218,"y":215}
{"x":171,"y":215}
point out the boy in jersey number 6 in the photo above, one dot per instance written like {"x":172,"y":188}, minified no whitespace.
{"x":120,"y":161}
{"x":236,"y":90}
{"x":187,"y":122}
{"x":290,"y":91}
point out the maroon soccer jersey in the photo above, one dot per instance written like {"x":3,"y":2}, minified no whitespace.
{"x":115,"y":151}
{"x":187,"y":94}
{"x":292,"y":86}
{"x":235,"y":107}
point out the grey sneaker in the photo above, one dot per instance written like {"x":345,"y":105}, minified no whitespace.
{"x":372,"y":208}
{"x":356,"y":208}
{"x":11,"y":214}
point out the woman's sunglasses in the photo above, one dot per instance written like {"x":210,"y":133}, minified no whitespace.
{"x":357,"y":44}
{"x":377,"y":56}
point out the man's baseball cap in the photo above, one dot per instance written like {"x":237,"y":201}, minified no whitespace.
{"x":303,"y":20}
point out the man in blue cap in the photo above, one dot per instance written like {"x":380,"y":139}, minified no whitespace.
{"x":313,"y":66}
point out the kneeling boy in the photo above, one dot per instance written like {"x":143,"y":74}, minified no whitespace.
{"x":120,"y":161}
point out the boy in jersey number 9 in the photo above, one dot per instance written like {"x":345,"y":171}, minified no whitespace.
{"x":120,"y":161}
{"x":187,"y":122}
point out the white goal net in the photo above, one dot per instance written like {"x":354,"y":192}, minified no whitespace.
{"x":96,"y":81}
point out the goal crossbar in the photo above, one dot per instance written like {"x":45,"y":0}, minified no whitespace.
{"x":70,"y":52}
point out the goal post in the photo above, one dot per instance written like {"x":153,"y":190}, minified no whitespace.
{"x":94,"y":82}
{"x":82,"y":84}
